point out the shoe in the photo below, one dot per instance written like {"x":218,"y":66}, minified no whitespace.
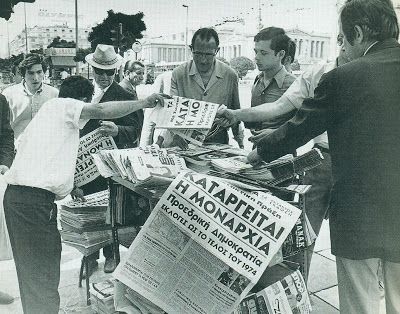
{"x":92,"y":266}
{"x":5,"y":298}
{"x":110,"y":265}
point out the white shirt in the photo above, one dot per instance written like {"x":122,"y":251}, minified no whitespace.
{"x":48,"y":149}
{"x":24,"y":105}
{"x":98,"y":93}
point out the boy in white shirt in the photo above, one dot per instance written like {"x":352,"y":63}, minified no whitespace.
{"x":43,"y":170}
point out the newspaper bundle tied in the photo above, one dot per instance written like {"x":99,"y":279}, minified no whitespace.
{"x":205,"y":245}
{"x":191,"y":119}
{"x":85,"y":169}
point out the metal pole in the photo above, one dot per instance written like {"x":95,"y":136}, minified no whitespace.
{"x":26,"y":30}
{"x":8,"y":40}
{"x":186,"y":35}
{"x":76,"y":36}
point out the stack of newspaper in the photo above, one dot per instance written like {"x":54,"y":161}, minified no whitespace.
{"x":189,"y":118}
{"x":273,"y":173}
{"x":148,"y":166}
{"x":286,"y":296}
{"x":84,"y":222}
{"x":102,"y":296}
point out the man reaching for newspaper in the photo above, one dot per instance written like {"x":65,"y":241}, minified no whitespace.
{"x":43,"y":170}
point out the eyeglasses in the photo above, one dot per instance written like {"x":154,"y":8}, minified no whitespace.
{"x":204,"y":54}
{"x":340,"y":40}
{"x":98,"y":71}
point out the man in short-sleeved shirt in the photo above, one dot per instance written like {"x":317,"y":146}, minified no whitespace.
{"x":206,"y":78}
{"x":271,"y":47}
{"x":43,"y":170}
{"x":26,"y":98}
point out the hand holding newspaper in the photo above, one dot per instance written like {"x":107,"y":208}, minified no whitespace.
{"x":205,"y":245}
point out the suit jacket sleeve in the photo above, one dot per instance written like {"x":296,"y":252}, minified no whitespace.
{"x":7,"y":135}
{"x":129,"y":127}
{"x":313,"y":118}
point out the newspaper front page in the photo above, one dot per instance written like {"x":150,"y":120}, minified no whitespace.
{"x":85,"y":169}
{"x":205,"y":245}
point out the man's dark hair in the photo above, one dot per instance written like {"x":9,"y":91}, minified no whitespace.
{"x":14,"y":68}
{"x":376,"y":18}
{"x":205,"y":33}
{"x":291,"y":51}
{"x":130,"y":65}
{"x":76,"y":87}
{"x":279,"y":40}
{"x":30,"y":60}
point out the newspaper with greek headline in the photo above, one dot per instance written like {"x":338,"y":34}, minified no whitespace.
{"x":205,"y":245}
{"x":85,"y":169}
{"x":189,"y":118}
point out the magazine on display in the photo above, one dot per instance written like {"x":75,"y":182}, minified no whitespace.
{"x":215,"y":240}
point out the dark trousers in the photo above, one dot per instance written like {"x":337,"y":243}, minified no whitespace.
{"x":31,"y":217}
{"x":316,"y":204}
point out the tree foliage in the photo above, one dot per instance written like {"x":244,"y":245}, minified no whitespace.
{"x":242,"y":65}
{"x":81,"y":54}
{"x":61,"y":43}
{"x":132,"y":28}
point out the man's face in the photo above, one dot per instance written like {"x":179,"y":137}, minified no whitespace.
{"x":204,"y":53}
{"x":103,"y":78}
{"x":354,"y":51}
{"x":265,"y":57}
{"x":136,"y":75}
{"x":34,"y":77}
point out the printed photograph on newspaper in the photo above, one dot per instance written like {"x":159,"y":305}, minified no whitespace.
{"x":85,"y":169}
{"x":205,"y":245}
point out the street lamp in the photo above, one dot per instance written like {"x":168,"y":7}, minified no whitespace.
{"x":186,"y":35}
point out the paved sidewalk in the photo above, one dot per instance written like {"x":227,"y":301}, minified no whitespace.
{"x":322,"y":281}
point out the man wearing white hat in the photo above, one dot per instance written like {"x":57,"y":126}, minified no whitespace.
{"x":125,"y":131}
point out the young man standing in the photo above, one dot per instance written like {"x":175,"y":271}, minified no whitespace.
{"x":271,"y":46}
{"x":26,"y":98}
{"x":43,"y":170}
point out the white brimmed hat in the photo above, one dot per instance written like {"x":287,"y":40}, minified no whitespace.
{"x":104,"y":57}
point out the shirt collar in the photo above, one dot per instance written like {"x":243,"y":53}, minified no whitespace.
{"x":28,"y":92}
{"x":373,"y":44}
{"x":279,"y":76}
{"x":218,"y":70}
{"x":98,"y":89}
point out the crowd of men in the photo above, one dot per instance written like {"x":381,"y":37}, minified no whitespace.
{"x":352,"y":102}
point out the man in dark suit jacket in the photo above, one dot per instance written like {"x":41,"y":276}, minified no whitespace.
{"x":125,"y":131}
{"x":6,"y":158}
{"x":358,"y":104}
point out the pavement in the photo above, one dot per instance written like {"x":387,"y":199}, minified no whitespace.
{"x":322,"y":283}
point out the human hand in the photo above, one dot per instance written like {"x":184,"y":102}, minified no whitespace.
{"x":3,"y":169}
{"x":226,"y":117}
{"x":155,"y":99}
{"x":108,"y":128}
{"x":258,"y":135}
{"x":253,"y":158}
{"x":77,"y":194}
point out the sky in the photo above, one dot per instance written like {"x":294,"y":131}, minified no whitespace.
{"x":169,"y":16}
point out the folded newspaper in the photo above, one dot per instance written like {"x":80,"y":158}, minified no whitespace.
{"x":205,"y":245}
{"x":85,"y":169}
{"x":191,"y":119}
{"x":286,"y":296}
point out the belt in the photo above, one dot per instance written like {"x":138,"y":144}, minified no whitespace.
{"x":30,"y":189}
